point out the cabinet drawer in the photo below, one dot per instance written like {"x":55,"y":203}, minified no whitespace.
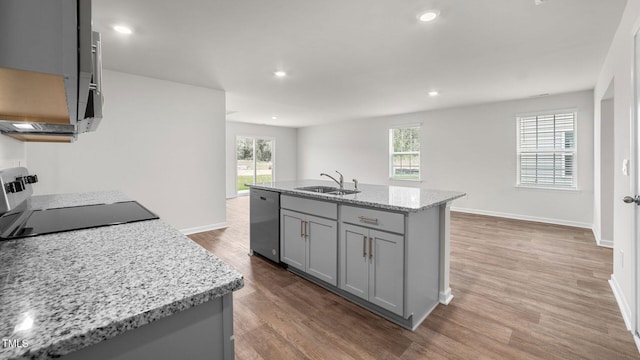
{"x":308,"y":206}
{"x":375,"y":219}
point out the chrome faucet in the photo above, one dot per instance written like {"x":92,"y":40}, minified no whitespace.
{"x":341,"y":182}
{"x":355,"y":184}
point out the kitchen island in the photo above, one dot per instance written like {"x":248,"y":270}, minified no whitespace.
{"x":137,"y":290}
{"x":385,"y":248}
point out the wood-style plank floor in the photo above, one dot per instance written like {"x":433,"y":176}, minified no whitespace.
{"x":522,"y":290}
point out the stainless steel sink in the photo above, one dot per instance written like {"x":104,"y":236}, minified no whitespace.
{"x":319,"y":189}
{"x":344,"y":192}
{"x":328,"y":190}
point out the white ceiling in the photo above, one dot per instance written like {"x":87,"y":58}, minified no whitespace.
{"x":349,"y":59}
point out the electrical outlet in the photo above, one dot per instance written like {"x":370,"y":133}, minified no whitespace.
{"x":625,"y":167}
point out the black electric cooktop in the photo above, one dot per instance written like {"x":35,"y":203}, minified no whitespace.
{"x":39,"y":222}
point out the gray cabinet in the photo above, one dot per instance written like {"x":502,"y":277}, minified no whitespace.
{"x":293,"y":242}
{"x":309,"y":243}
{"x":322,"y":249}
{"x":50,"y":70}
{"x":372,"y":266}
{"x":204,"y":331}
{"x":383,"y":260}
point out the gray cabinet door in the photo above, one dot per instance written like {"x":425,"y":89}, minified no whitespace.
{"x":41,"y":36}
{"x":386,"y":277}
{"x":354,"y":260}
{"x":293,"y":243}
{"x":322,"y":249}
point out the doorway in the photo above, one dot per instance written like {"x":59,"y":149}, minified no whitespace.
{"x":635,"y":184}
{"x":254,"y":162}
{"x":607,"y":168}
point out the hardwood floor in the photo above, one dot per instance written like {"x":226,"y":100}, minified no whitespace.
{"x":522,"y":290}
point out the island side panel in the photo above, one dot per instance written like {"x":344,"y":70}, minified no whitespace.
{"x":445,"y":252}
{"x":422,"y":254}
{"x":201,"y":332}
{"x":228,"y":339}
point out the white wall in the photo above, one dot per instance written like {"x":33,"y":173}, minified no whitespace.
{"x":470,"y":149}
{"x":160,"y":142}
{"x":12,"y":152}
{"x":285,"y":150}
{"x":604,"y":208}
{"x":618,"y":68}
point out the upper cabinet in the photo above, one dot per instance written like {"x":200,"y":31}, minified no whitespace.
{"x":50,"y":70}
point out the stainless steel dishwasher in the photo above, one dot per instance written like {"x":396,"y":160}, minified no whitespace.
{"x":264,"y":227}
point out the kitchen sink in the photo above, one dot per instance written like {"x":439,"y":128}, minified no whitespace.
{"x":328,"y":190}
{"x":319,"y":189}
{"x":344,"y":192}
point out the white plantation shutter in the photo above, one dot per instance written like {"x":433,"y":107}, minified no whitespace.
{"x":547,"y":150}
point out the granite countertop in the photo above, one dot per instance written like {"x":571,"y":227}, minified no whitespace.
{"x":398,"y":198}
{"x":62,"y":292}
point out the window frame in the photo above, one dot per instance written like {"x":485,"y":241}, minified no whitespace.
{"x":392,"y":153}
{"x":573,"y":151}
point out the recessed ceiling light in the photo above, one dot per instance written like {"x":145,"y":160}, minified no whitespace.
{"x":433,"y":93}
{"x":274,"y":118}
{"x":429,"y":15}
{"x":123,"y":29}
{"x":280,"y":73}
{"x":24,"y":126}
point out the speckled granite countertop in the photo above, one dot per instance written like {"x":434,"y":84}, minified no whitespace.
{"x":398,"y":198}
{"x":62,"y":292}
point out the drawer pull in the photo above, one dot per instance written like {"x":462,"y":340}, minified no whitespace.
{"x":368,"y":220}
{"x":364,"y":246}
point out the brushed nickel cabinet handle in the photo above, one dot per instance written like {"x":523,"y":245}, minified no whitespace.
{"x":99,"y":66}
{"x":368,"y":220}
{"x":370,"y":247}
{"x":301,"y":228}
{"x":306,"y":230}
{"x":364,"y":246}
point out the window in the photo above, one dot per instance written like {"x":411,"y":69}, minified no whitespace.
{"x":253,"y":161}
{"x":404,"y":153}
{"x":547,"y":150}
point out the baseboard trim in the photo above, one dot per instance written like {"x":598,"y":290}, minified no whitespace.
{"x":204,"y":228}
{"x":622,"y":303}
{"x":599,"y":241}
{"x":445,"y":297}
{"x":524,"y":217}
{"x":637,"y":341}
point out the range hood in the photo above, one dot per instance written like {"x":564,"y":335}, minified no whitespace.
{"x":50,"y":70}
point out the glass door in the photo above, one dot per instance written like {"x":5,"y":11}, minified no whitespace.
{"x":254,"y":161}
